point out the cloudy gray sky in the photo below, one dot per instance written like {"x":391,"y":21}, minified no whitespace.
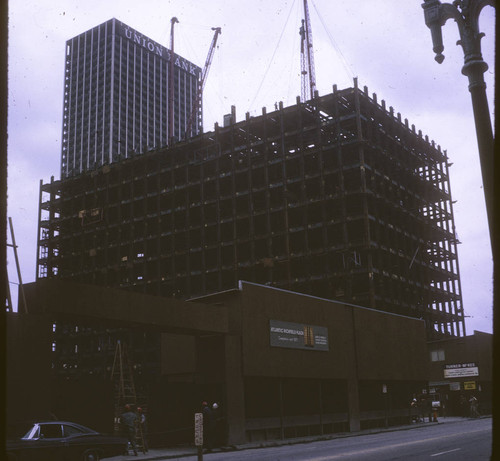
{"x":257,"y":63}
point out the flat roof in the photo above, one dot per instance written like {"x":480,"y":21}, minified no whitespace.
{"x":63,"y":297}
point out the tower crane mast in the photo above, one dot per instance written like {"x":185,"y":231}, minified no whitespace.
{"x":201,"y":84}
{"x":308,"y":72}
{"x":173,"y":21}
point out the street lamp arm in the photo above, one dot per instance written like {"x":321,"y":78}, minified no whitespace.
{"x":436,"y":14}
{"x":466,"y":15}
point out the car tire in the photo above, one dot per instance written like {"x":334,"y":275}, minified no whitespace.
{"x":91,"y":455}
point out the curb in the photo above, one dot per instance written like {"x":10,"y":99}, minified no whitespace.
{"x":294,"y":441}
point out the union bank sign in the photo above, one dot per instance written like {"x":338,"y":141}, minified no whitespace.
{"x":159,"y":50}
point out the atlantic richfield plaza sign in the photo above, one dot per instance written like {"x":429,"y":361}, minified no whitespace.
{"x":298,"y":336}
{"x":153,"y":47}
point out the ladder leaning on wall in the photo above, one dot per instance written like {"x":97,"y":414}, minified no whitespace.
{"x":124,"y":390}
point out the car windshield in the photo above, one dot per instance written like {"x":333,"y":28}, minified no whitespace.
{"x":33,"y":433}
{"x":44,"y":431}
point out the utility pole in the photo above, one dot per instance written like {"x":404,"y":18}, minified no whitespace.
{"x":21,"y":286}
{"x":466,"y":15}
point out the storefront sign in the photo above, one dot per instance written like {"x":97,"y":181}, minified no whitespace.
{"x":470,"y":385}
{"x":454,"y":386}
{"x":461,"y":370}
{"x":298,"y":336}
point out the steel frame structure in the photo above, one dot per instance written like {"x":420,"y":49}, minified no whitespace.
{"x":337,"y":197}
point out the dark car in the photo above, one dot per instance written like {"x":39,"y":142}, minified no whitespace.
{"x":64,"y":441}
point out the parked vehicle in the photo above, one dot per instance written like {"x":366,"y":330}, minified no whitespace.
{"x":64,"y":441}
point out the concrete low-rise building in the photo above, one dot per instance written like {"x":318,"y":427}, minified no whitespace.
{"x":459,"y":369}
{"x":280,"y":364}
{"x":310,"y":365}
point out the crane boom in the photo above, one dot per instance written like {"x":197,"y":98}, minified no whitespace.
{"x":171,"y":84}
{"x":202,"y":81}
{"x":308,"y":86}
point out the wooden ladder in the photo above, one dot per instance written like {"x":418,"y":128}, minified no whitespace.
{"x":124,"y":390}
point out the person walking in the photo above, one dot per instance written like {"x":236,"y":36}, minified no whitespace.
{"x":474,"y":407}
{"x":208,"y":427}
{"x":426,"y":409}
{"x":219,"y":427}
{"x":414,"y":410}
{"x":128,"y":421}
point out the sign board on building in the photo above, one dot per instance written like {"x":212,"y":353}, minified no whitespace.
{"x":470,"y":385}
{"x":461,"y":370}
{"x":159,"y":50}
{"x":454,"y":386}
{"x":198,"y":429}
{"x":298,"y":336}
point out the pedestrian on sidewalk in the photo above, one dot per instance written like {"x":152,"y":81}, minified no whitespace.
{"x":128,"y":421}
{"x":474,"y":407}
{"x":219,"y":426}
{"x":435,"y":409}
{"x":426,"y":409}
{"x":208,"y":427}
{"x":414,"y":410}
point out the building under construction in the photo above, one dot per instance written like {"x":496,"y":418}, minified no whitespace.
{"x":337,"y":197}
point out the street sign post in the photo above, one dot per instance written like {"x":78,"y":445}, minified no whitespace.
{"x":198,"y":434}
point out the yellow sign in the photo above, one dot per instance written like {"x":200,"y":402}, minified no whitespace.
{"x":469,"y":385}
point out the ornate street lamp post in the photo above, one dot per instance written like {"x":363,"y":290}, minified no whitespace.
{"x":466,"y":15}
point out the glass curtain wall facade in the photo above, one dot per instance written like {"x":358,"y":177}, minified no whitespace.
{"x":116,"y":97}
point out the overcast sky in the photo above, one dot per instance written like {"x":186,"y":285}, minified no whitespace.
{"x":257,"y":63}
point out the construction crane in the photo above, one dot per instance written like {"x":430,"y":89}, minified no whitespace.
{"x":201,"y":84}
{"x":173,"y":21}
{"x":308,"y":72}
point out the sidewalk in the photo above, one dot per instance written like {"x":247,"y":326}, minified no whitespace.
{"x":184,"y":451}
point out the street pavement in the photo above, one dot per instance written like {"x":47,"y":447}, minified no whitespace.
{"x":185,"y":451}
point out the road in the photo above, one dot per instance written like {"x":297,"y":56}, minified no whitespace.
{"x":465,"y":440}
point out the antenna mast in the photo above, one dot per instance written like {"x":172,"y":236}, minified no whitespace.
{"x":308,"y":85}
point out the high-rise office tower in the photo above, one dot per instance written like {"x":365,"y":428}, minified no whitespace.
{"x":116,"y":97}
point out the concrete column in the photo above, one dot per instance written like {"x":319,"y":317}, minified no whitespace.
{"x":235,"y":395}
{"x":352,"y":380}
{"x":353,"y":403}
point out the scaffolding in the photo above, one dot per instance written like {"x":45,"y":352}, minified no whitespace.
{"x":337,"y":197}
